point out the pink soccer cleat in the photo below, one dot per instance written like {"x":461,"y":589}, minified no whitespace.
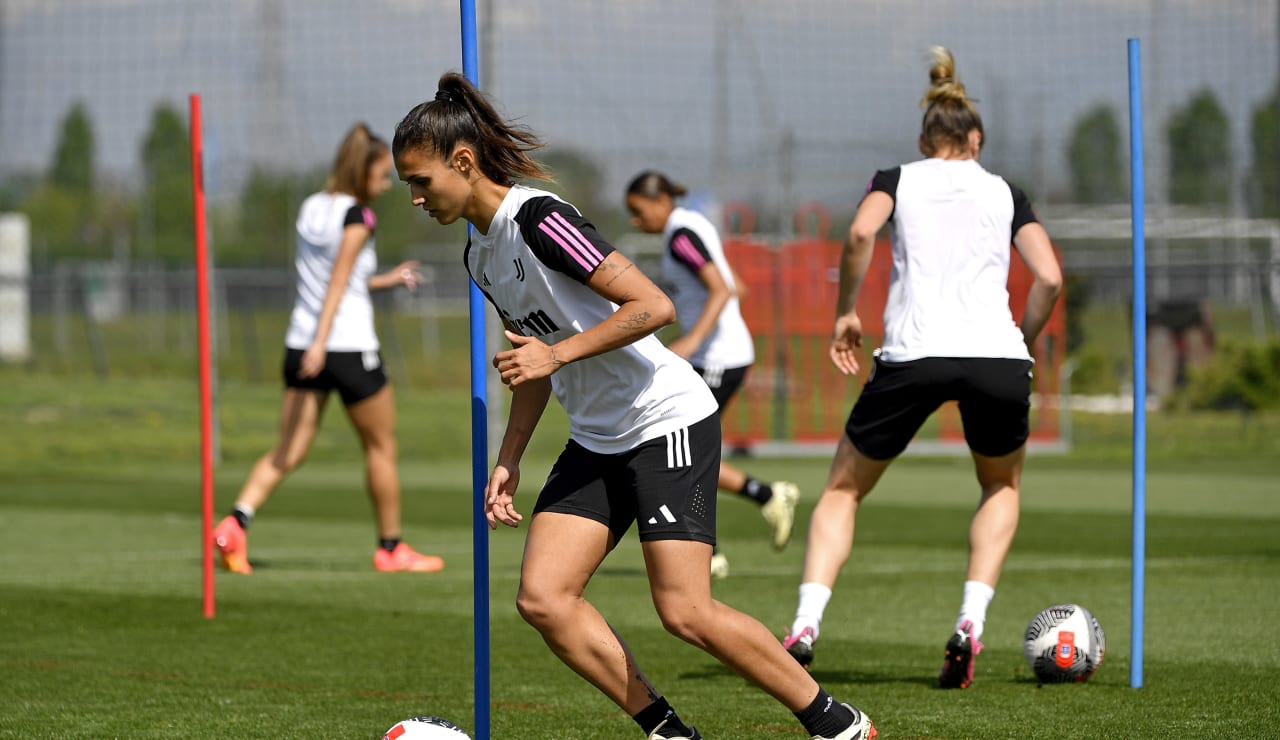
{"x":233,"y":546}
{"x":406,"y":559}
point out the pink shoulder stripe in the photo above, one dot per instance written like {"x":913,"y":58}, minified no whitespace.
{"x":565,"y":246}
{"x":685,"y":250}
{"x":576,"y":236}
{"x":571,"y":239}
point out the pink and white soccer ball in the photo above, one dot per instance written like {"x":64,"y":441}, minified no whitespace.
{"x":1064,"y":644}
{"x":425,"y":728}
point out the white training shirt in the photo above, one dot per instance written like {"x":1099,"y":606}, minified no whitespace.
{"x":321,"y":222}
{"x":692,"y":242}
{"x":953,"y":226}
{"x":533,"y":266}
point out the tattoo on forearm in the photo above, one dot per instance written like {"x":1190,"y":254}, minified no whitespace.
{"x":635,"y":321}
{"x":610,"y":265}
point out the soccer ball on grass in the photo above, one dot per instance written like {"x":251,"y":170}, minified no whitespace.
{"x":425,"y":728}
{"x":1063,"y":644}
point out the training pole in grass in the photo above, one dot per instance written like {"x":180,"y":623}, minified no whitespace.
{"x":479,"y":437}
{"x":206,"y":371}
{"x":1139,"y":565}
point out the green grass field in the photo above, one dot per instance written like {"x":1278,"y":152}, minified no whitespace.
{"x":103,"y":636}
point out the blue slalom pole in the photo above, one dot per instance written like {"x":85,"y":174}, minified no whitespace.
{"x":1139,"y":565}
{"x":479,"y":439}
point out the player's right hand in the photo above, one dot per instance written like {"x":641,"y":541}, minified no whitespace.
{"x":846,"y":343}
{"x":500,"y":495}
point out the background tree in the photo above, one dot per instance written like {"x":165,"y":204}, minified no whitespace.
{"x":165,"y":208}
{"x":264,"y":232}
{"x":1263,"y":184}
{"x":73,"y":159}
{"x":1097,"y":173}
{"x":1200,"y":153}
{"x":61,"y":205}
{"x":579,"y":180}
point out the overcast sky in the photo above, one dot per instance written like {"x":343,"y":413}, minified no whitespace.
{"x":813,"y":94}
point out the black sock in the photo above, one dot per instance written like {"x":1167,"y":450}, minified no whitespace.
{"x":757,"y":491}
{"x":825,"y":717}
{"x":658,"y":712}
{"x":388,"y":543}
{"x":242,"y":517}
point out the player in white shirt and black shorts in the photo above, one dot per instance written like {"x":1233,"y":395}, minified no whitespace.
{"x":644,"y":445}
{"x":949,"y":335}
{"x":715,"y":339}
{"x":331,"y":345}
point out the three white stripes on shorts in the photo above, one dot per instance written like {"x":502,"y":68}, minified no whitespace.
{"x":678,"y":455}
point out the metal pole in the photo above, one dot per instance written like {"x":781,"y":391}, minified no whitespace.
{"x":1139,"y":368}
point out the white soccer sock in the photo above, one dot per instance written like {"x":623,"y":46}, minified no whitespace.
{"x":977,"y":596}
{"x":813,"y":602}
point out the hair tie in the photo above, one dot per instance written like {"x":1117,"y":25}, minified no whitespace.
{"x":442,"y":95}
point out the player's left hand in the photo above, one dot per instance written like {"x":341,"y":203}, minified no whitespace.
{"x":846,"y":341}
{"x":407,"y":274}
{"x":529,"y":359}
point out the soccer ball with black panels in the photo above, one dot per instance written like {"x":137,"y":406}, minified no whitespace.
{"x":425,"y":728}
{"x":1064,"y":644}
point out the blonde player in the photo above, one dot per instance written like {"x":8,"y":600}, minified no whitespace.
{"x":331,"y":346}
{"x":949,"y":335}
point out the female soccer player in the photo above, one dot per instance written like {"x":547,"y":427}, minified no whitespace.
{"x":644,"y":443}
{"x":331,"y":345}
{"x":705,"y":291}
{"x":949,"y":335}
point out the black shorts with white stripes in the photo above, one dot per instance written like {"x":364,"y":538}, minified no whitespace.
{"x":724,"y":382}
{"x":667,"y":486}
{"x":354,"y":375}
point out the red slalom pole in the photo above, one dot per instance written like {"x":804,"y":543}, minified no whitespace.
{"x":206,"y":372}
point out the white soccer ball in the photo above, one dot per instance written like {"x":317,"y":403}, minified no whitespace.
{"x":1064,"y":643}
{"x":425,"y":728}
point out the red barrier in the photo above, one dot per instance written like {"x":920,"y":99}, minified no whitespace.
{"x":748,"y":419}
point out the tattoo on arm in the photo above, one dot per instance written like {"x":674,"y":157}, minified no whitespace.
{"x":635,"y":321}
{"x":619,"y":274}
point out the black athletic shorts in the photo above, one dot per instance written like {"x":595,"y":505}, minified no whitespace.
{"x":723,"y":382}
{"x":354,"y":375}
{"x":667,"y":486}
{"x":994,"y":396}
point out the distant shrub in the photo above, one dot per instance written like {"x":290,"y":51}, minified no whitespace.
{"x":1241,"y":376}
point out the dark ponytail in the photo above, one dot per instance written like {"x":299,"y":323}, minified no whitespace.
{"x":460,"y":113}
{"x":651,"y":185}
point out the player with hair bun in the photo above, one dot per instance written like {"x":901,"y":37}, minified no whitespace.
{"x":949,"y":335}
{"x":331,"y":345}
{"x":644,"y":446}
{"x":716,"y":341}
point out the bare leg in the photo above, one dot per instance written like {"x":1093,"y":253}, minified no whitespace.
{"x":996,"y":520}
{"x":375,"y":421}
{"x":681,"y":586}
{"x":561,"y":554}
{"x":831,"y":525}
{"x":300,"y":415}
{"x":731,"y":479}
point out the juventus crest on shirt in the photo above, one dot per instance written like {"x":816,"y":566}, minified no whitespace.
{"x":533,"y":265}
